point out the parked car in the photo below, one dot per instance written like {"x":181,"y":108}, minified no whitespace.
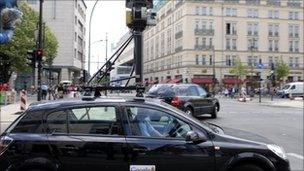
{"x":294,"y":88}
{"x":123,"y":134}
{"x":191,"y":98}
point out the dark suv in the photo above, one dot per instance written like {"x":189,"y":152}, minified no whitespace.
{"x":191,"y":98}
{"x":115,"y":134}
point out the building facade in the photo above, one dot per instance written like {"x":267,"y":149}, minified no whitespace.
{"x":196,"y":40}
{"x":67,"y":19}
{"x":123,"y":65}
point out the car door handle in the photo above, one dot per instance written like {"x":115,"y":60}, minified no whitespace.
{"x":142,"y":151}
{"x":70,"y":147}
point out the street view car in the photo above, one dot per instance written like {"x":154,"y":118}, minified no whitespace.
{"x":190,"y":98}
{"x":127,"y":134}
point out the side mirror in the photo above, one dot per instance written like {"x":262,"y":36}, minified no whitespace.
{"x":209,"y":95}
{"x":194,"y":138}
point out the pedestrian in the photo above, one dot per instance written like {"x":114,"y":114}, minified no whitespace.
{"x":60,"y":91}
{"x":44,"y":89}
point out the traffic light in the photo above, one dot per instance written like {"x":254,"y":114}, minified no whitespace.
{"x":31,"y":58}
{"x":39,"y":54}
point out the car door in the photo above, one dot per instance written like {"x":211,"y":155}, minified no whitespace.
{"x":164,"y":149}
{"x":206,"y":103}
{"x":95,"y":140}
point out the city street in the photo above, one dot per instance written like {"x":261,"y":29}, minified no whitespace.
{"x":282,"y":125}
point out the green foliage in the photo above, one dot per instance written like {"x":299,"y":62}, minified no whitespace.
{"x":281,"y":69}
{"x":24,"y":40}
{"x":239,"y":69}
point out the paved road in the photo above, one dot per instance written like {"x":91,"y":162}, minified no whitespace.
{"x":282,"y":125}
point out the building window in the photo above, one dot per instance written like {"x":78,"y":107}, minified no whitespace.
{"x":294,"y":3}
{"x":231,"y":12}
{"x":252,"y":44}
{"x":273,"y":30}
{"x":252,"y":13}
{"x":201,"y":60}
{"x":293,"y":30}
{"x":291,"y":62}
{"x":273,"y":45}
{"x":296,"y":62}
{"x":205,"y":11}
{"x":293,"y":15}
{"x":231,"y":29}
{"x":274,"y":14}
{"x":252,"y":29}
{"x":252,"y":61}
{"x":231,"y":44}
{"x":230,"y":60}
{"x":293,"y":46}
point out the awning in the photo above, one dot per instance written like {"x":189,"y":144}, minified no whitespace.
{"x":206,"y":80}
{"x":232,"y":81}
{"x":165,"y":81}
{"x":176,"y":80}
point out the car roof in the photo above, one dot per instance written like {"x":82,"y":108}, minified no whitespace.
{"x":48,"y":105}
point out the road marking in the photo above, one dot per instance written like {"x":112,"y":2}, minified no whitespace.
{"x":296,"y":155}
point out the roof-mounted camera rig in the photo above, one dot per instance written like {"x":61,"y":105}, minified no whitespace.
{"x":138,"y":16}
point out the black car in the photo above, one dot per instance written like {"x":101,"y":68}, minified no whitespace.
{"x":116,"y":134}
{"x":190,"y":98}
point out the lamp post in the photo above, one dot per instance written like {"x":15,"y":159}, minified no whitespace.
{"x":101,"y":40}
{"x":90,"y":27}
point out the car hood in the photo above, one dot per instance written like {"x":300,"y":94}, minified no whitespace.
{"x":246,"y":135}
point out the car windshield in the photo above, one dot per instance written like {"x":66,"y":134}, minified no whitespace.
{"x":286,"y":87}
{"x":203,"y":124}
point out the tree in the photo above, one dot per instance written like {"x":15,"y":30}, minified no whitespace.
{"x":239,"y":69}
{"x":24,"y":39}
{"x":281,"y":70}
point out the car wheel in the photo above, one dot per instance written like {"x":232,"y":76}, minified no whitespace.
{"x":248,"y":167}
{"x":189,"y":111}
{"x":214,"y":111}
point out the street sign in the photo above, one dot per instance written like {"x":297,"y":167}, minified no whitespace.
{"x":260,"y":66}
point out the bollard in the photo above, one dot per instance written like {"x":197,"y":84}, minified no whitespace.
{"x":23,"y":99}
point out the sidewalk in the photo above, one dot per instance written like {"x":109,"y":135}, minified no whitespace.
{"x":8,"y":112}
{"x":280,"y":103}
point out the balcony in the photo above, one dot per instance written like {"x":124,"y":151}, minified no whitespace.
{"x":203,"y":47}
{"x":250,"y":33}
{"x":273,"y":34}
{"x":178,"y":49}
{"x":253,"y":2}
{"x":274,"y":2}
{"x":231,"y":1}
{"x":178,"y":35}
{"x":294,"y":4}
{"x":204,"y":32}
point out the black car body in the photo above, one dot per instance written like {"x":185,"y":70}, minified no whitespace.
{"x":115,"y":134}
{"x":191,"y":98}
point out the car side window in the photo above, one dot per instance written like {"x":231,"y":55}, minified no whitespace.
{"x":293,"y":87}
{"x":148,"y":122}
{"x":192,"y":91}
{"x":94,"y":120}
{"x":201,"y":91}
{"x":30,"y":123}
{"x":57,"y":122}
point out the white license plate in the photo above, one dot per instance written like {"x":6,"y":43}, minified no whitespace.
{"x":142,"y":168}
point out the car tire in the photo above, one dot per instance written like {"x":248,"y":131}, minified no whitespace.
{"x":214,"y":112}
{"x":189,"y":111}
{"x":248,"y":167}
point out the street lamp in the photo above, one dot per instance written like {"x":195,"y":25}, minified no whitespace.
{"x":90,"y":27}
{"x":101,"y":40}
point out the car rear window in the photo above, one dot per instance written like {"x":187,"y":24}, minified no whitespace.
{"x":31,"y":122}
{"x":186,"y":91}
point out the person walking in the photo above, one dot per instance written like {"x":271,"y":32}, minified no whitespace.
{"x":44,"y":89}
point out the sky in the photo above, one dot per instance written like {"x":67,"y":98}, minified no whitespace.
{"x":108,"y":17}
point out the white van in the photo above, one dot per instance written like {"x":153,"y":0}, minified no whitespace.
{"x":294,"y":88}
